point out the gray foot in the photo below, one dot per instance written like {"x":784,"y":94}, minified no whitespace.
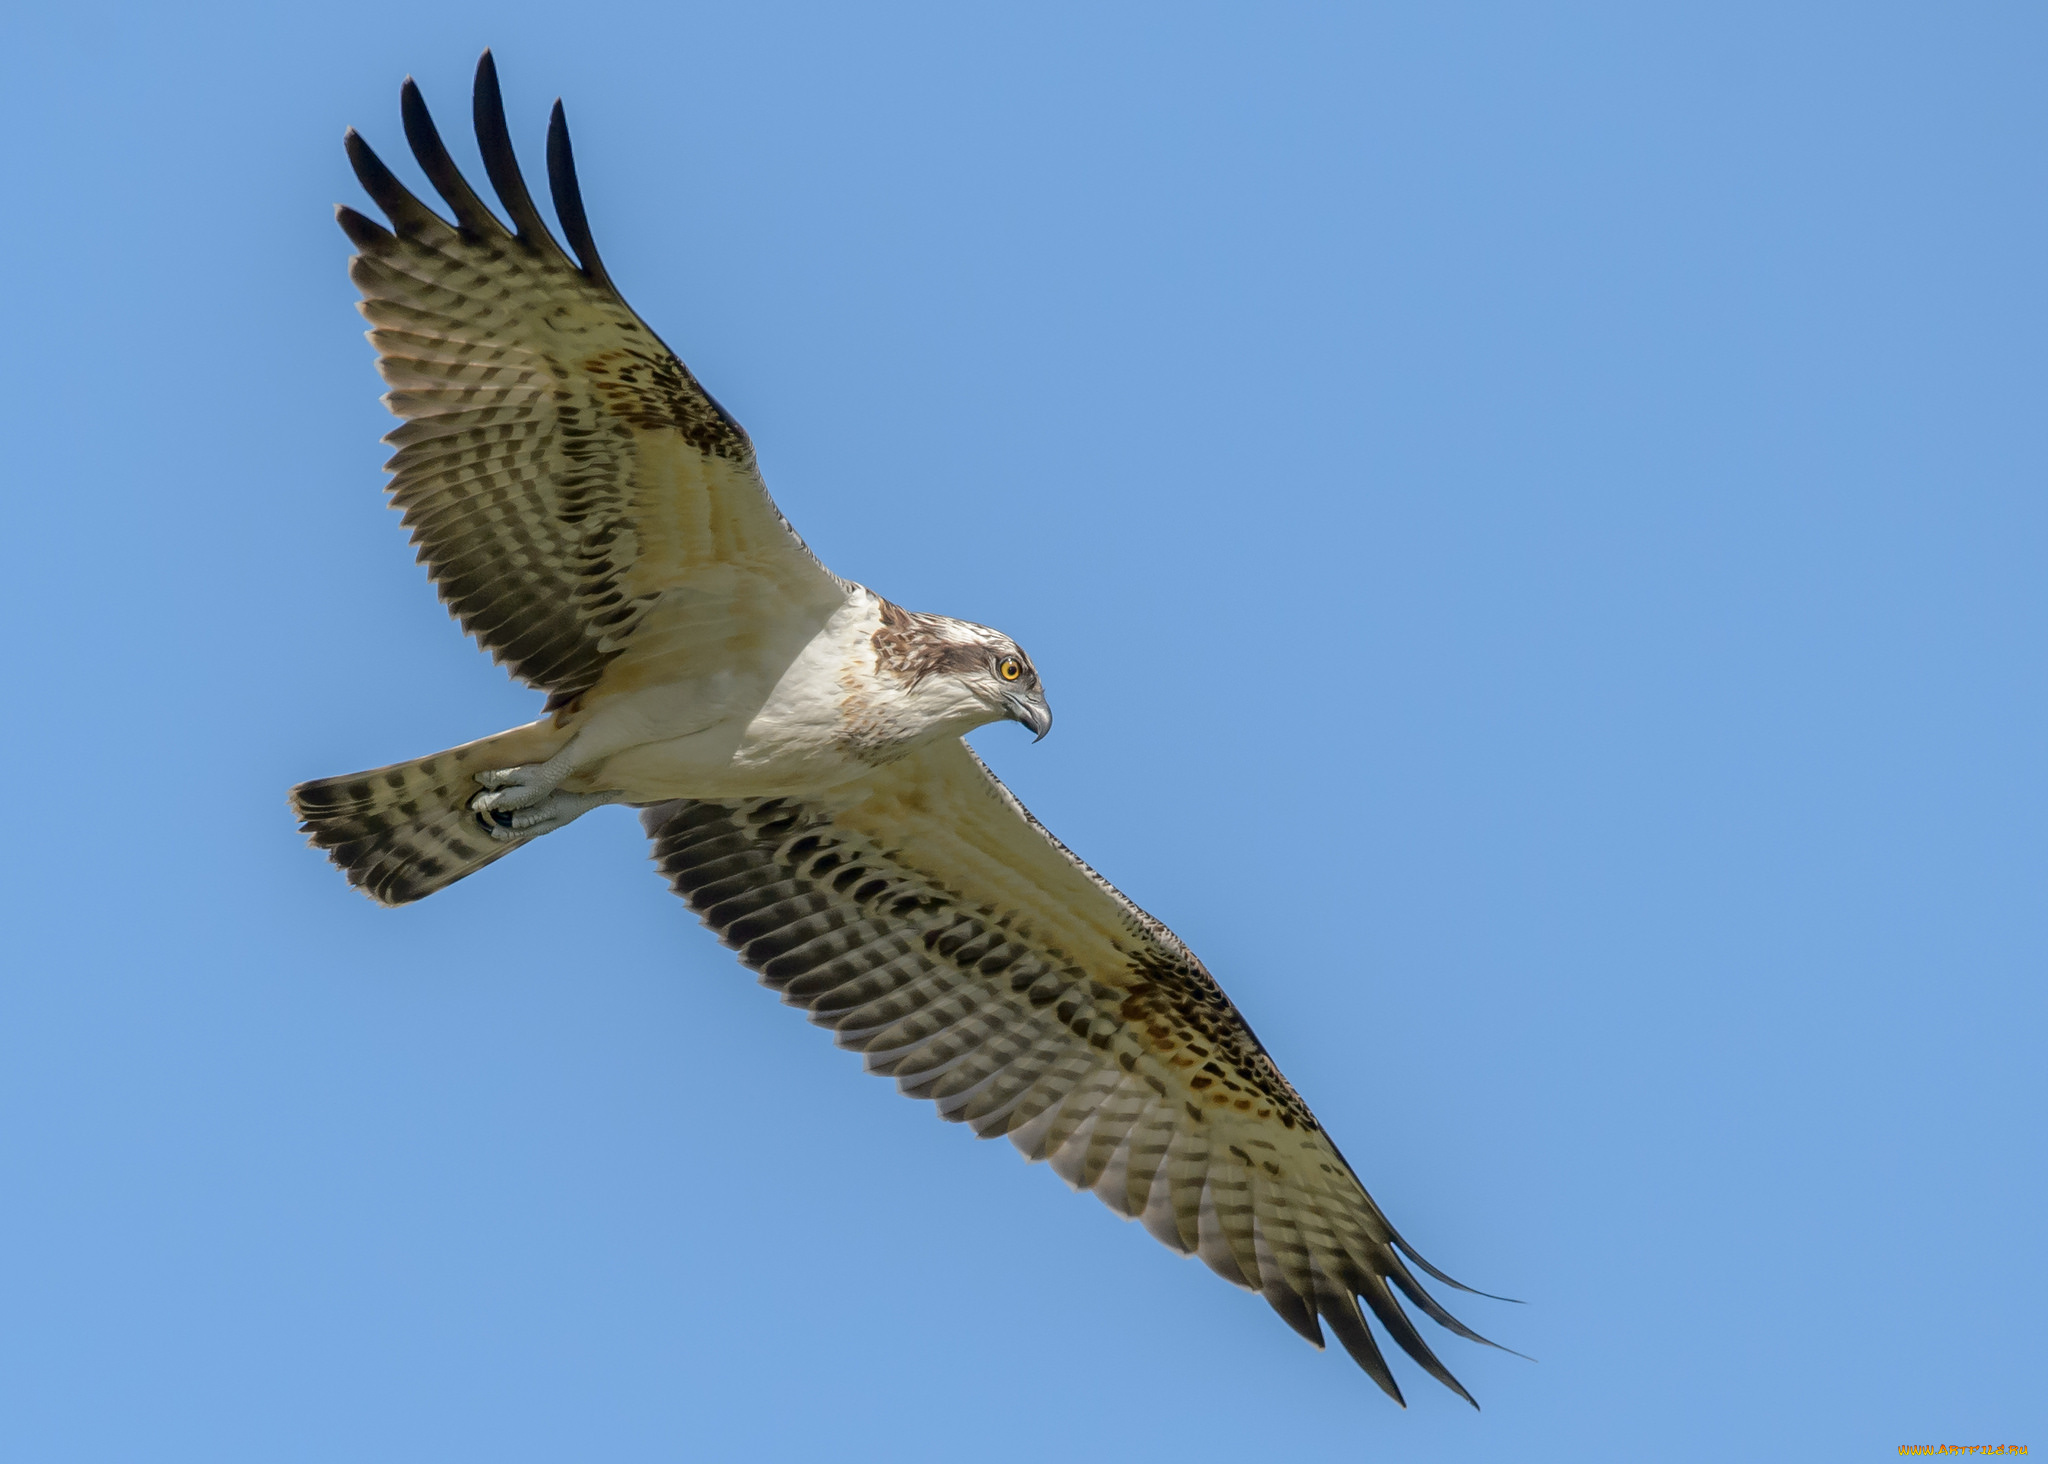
{"x":543,"y":817}
{"x":507,"y":789}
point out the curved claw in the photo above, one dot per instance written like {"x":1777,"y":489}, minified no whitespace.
{"x":544,"y":816}
{"x":510,"y":788}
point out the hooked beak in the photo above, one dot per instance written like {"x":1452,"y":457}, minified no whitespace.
{"x":1032,"y":711}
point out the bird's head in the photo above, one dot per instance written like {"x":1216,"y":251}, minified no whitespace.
{"x":958,"y":672}
{"x":1008,"y":685}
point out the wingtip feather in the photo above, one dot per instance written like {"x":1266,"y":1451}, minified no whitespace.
{"x":1340,"y":1310}
{"x":363,"y":231}
{"x":1388,"y":1310}
{"x":567,"y":193}
{"x":1412,"y":1254}
{"x":432,"y":155}
{"x":501,"y":162}
{"x":407,"y":214}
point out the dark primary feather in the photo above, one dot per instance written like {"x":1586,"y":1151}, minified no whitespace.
{"x":494,"y":140}
{"x":407,"y":213}
{"x":568,"y":196}
{"x":424,"y":138}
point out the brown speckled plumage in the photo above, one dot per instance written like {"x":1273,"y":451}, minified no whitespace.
{"x":913,"y":646}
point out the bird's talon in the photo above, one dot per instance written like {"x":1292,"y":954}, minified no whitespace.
{"x":510,"y":788}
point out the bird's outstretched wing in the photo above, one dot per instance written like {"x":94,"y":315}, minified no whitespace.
{"x":574,"y":493}
{"x":927,"y":919}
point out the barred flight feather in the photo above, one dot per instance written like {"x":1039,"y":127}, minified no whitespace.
{"x":561,"y":472}
{"x":1099,"y":1044}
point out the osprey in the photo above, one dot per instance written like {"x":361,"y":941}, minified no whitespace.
{"x":794,"y":743}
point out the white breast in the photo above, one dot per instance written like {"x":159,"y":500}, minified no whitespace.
{"x":743,"y":732}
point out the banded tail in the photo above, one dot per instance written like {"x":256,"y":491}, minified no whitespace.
{"x":402,"y":832}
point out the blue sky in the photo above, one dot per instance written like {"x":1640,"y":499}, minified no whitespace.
{"x":1532,"y":522}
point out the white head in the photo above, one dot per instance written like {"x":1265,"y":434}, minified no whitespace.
{"x":954,"y":675}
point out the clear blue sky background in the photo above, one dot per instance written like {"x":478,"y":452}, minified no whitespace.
{"x":1532,"y":520}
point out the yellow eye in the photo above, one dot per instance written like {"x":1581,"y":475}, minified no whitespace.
{"x":1008,"y":669}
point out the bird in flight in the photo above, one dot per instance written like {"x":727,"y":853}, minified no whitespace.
{"x":794,"y":743}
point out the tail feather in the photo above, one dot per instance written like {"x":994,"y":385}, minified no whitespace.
{"x":402,"y":832}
